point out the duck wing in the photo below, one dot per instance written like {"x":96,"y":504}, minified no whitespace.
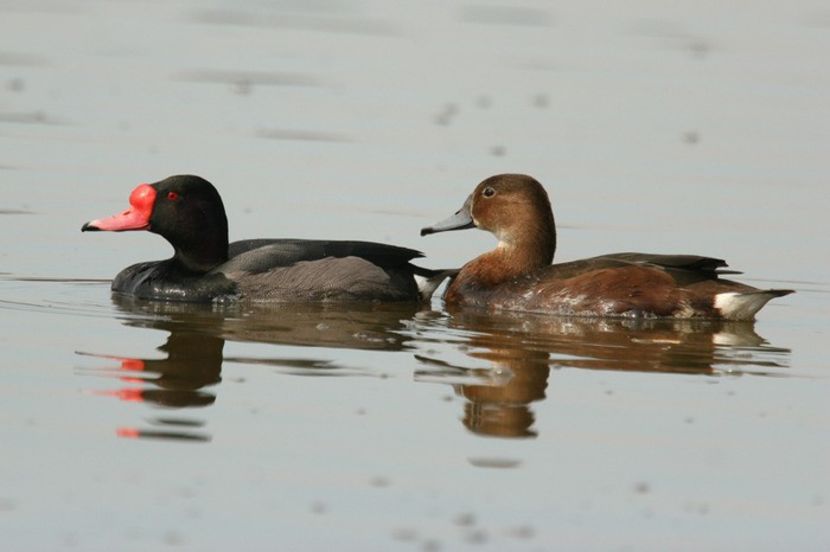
{"x":260,"y":255}
{"x":709,"y":266}
{"x":685,"y":269}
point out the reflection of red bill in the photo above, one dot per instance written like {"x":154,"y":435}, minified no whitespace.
{"x":128,"y":432}
{"x":128,"y":395}
{"x":134,"y":364}
{"x":131,"y":364}
{"x":135,"y":433}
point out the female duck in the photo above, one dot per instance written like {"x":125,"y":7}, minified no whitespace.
{"x":188,"y":212}
{"x":518,"y":274}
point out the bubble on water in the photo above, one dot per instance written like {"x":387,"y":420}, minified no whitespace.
{"x":498,"y":151}
{"x":477,"y":536}
{"x":444,"y":118}
{"x":691,"y":137}
{"x":173,"y":538}
{"x":186,"y":492}
{"x":431,"y":545}
{"x":379,"y":481}
{"x":699,"y":48}
{"x":465,"y":519}
{"x":522,"y":532}
{"x":405,"y":534}
{"x":16,"y":85}
{"x":242,"y":87}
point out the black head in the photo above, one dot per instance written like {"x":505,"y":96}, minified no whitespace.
{"x":186,"y":210}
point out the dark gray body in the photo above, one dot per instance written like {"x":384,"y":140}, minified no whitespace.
{"x":284,"y":270}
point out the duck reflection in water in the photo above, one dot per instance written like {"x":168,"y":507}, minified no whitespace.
{"x":520,"y":349}
{"x":195,"y":348}
{"x":193,"y":363}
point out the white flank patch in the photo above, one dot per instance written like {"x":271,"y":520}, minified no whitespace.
{"x":741,"y":306}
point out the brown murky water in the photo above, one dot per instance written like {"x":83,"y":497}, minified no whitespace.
{"x":139,"y":426}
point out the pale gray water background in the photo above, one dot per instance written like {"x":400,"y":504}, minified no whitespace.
{"x":694,"y":128}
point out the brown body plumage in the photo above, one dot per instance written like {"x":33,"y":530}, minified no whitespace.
{"x":518,"y":274}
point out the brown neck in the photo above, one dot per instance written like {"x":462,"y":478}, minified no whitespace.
{"x":505,"y":263}
{"x":521,"y":251}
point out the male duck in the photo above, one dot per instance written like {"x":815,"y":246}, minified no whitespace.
{"x":518,"y":274}
{"x":187,"y":211}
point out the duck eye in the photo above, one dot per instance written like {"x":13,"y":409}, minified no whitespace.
{"x":172,"y":196}
{"x":488,"y":192}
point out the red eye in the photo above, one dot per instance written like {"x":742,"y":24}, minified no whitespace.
{"x":172,"y":196}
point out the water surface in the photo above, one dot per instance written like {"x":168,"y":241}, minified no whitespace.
{"x":138,"y":426}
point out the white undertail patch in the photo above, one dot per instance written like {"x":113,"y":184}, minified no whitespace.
{"x":742,"y":306}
